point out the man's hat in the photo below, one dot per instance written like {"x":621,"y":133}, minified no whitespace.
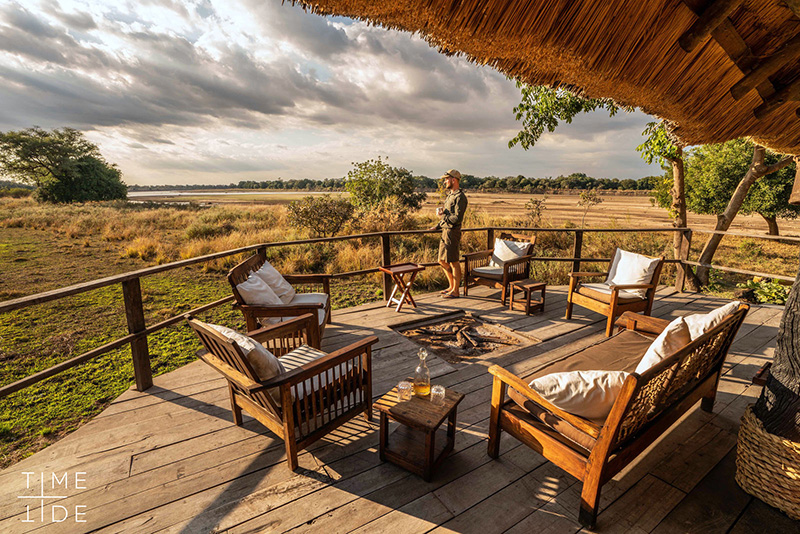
{"x":452,"y":173}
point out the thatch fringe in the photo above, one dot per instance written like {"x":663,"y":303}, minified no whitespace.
{"x":626,"y":50}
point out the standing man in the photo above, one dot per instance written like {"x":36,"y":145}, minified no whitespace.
{"x":451,"y":215}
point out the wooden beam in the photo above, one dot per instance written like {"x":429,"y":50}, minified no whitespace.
{"x":713,"y":15}
{"x":790,"y":92}
{"x":790,"y":51}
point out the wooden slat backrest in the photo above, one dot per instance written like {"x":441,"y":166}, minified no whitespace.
{"x":239,"y":273}
{"x":665,"y":384}
{"x":230,"y":353}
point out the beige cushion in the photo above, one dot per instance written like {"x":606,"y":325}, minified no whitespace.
{"x":278,"y":283}
{"x":263,"y":362}
{"x":589,"y":394}
{"x":673,"y":338}
{"x":700,"y":323}
{"x":495,"y":273}
{"x":505,"y":250}
{"x":297,"y":358}
{"x":602,"y":292}
{"x":256,"y":292}
{"x":630,"y":268}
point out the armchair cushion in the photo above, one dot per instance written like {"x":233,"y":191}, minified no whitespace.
{"x":278,"y":283}
{"x":505,"y":250}
{"x":673,"y":338}
{"x":588,"y":394}
{"x":297,"y":358}
{"x":263,"y":362}
{"x":257,"y":292}
{"x":301,"y":298}
{"x":495,"y":273}
{"x":700,"y":323}
{"x":630,"y":268}
{"x":551,"y":424}
{"x":602,"y":293}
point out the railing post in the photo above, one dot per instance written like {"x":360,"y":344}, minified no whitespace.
{"x":134,"y":312}
{"x":576,"y":251}
{"x":387,"y":260}
{"x":683,"y":269}
{"x":489,"y":238}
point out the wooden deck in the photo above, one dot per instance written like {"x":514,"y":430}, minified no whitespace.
{"x":170,"y":460}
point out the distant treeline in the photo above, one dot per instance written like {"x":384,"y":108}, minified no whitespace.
{"x":518,"y":183}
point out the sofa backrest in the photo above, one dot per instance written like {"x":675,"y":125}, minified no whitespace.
{"x":242,"y":271}
{"x":667,"y":383}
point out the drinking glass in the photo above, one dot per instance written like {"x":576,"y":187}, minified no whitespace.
{"x":404,"y":391}
{"x":437,"y":395}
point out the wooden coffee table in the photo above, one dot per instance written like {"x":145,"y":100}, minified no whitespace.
{"x":398,"y":273}
{"x":418,"y":445}
{"x":528,"y":286}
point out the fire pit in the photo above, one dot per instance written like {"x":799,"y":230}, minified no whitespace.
{"x":462,"y":336}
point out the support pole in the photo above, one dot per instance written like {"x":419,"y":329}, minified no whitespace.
{"x":683,"y":269}
{"x":134,"y":313}
{"x":576,"y":250}
{"x":387,"y":260}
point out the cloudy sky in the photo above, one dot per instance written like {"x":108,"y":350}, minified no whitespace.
{"x":218,"y":91}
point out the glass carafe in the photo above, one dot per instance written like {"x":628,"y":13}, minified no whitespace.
{"x":422,"y":376}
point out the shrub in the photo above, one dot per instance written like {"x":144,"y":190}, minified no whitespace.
{"x":767,"y":290}
{"x":534,"y":210}
{"x":15,"y":192}
{"x":372,"y":182}
{"x":324,"y":215}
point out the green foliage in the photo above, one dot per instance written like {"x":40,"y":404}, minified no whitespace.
{"x":15,"y":192}
{"x":542,"y":108}
{"x":62,"y":163}
{"x":658,"y":145}
{"x":370,"y":183}
{"x":324,"y":215}
{"x":767,"y":290}
{"x":534,"y":210}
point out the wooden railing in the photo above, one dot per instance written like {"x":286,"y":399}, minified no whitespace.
{"x":138,"y":331}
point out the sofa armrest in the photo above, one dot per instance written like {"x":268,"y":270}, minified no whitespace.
{"x":298,"y":325}
{"x":641,"y":323}
{"x":631,"y":286}
{"x":515,"y":382}
{"x":583,"y":274}
{"x":517,"y":261}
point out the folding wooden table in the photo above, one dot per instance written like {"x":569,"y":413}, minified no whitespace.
{"x":398,"y":273}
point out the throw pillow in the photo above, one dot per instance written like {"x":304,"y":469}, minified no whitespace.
{"x":263,"y":362}
{"x":674,"y":337}
{"x":589,"y":394}
{"x":631,"y":268}
{"x":505,"y":250}
{"x":700,"y":323}
{"x":256,"y":292}
{"x":278,"y":283}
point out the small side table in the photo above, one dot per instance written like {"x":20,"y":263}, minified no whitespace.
{"x":418,"y":445}
{"x":528,"y":286}
{"x":398,"y":273}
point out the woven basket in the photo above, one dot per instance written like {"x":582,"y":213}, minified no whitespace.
{"x":768,"y":466}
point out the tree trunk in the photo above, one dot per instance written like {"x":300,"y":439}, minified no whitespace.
{"x":772,"y":224}
{"x":678,"y":209}
{"x":779,"y":405}
{"x":757,"y":170}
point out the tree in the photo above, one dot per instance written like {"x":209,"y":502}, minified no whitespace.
{"x":534,"y":209}
{"x":323,"y":215}
{"x":62,"y":163}
{"x":372,"y":182}
{"x":587,"y":200}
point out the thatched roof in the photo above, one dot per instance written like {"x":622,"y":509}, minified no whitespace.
{"x":675,"y":59}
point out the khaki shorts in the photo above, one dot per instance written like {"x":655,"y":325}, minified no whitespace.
{"x":449,"y":245}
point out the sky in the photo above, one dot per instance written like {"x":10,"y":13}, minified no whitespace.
{"x":218,"y":91}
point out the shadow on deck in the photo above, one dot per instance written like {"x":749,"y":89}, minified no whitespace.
{"x":170,"y":459}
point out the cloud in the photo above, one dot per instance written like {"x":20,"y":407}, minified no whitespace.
{"x":306,"y":94}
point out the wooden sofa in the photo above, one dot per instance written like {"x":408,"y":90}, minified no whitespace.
{"x":478,"y":272}
{"x":320,"y":307}
{"x":594,"y":451}
{"x":318,"y":392}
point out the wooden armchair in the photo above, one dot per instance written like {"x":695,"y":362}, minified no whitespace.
{"x":594,"y":451}
{"x":611,"y":301}
{"x":318,"y":304}
{"x":477,"y":269}
{"x":318,"y":392}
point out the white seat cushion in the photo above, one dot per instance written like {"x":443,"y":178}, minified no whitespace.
{"x":631,"y":268}
{"x":263,"y":362}
{"x":256,"y":292}
{"x":299,"y":357}
{"x":505,"y":250}
{"x":700,"y":323}
{"x":673,"y":338}
{"x":278,"y":283}
{"x":301,"y":298}
{"x":606,"y":289}
{"x":589,"y":394}
{"x":492,"y":271}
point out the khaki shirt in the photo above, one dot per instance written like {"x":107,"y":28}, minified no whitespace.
{"x":455,"y":206}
